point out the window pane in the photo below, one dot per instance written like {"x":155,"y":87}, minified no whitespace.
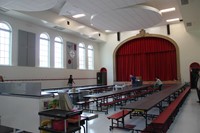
{"x":58,"y":48}
{"x":44,"y":50}
{"x":5,"y":44}
{"x":90,"y":57}
{"x":82,"y":56}
{"x":44,"y":36}
{"x":58,"y":39}
{"x":4,"y":26}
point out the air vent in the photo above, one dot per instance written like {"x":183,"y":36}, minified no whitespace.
{"x":184,"y":2}
{"x":58,"y":28}
{"x":3,"y":9}
{"x":188,"y":24}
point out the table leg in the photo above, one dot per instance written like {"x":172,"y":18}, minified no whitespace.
{"x":97,"y":104}
{"x":86,"y":124}
{"x":146,"y":123}
{"x":123,"y":120}
{"x":65,"y":122}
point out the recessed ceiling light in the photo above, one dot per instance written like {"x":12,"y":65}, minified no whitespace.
{"x":107,"y":30}
{"x":92,"y":17}
{"x":78,"y":15}
{"x":172,"y":20}
{"x":168,"y":10}
{"x":81,"y":27}
{"x":93,"y":33}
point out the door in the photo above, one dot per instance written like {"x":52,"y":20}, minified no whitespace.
{"x":194,"y":69}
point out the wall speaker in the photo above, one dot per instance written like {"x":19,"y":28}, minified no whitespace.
{"x":168,"y":29}
{"x":184,"y":2}
{"x":118,"y":36}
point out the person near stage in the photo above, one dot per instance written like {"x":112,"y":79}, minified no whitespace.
{"x":198,"y":87}
{"x":133,"y":78}
{"x":70,"y":81}
{"x":158,"y":84}
{"x":1,"y":79}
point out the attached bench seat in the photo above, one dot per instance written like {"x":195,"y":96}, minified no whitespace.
{"x":85,"y":104}
{"x":118,"y":118}
{"x":4,"y":129}
{"x":171,"y":108}
{"x":164,"y":120}
{"x":112,"y":103}
{"x":124,"y":98}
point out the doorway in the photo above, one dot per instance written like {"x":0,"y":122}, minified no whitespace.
{"x":194,"y":69}
{"x":102,"y":77}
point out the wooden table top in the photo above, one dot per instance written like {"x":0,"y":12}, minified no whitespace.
{"x":150,"y":101}
{"x":110,"y":93}
{"x":94,"y":87}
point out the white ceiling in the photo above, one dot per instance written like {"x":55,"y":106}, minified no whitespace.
{"x":115,"y":15}
{"x":28,"y":5}
{"x":118,"y":15}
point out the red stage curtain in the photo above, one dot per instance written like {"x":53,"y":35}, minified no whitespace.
{"x":147,"y":57}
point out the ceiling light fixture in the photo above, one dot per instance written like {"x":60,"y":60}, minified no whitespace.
{"x":92,"y":17}
{"x":93,"y":33}
{"x":78,"y":15}
{"x":107,"y":31}
{"x":172,"y":20}
{"x":168,"y":10}
{"x":81,"y":27}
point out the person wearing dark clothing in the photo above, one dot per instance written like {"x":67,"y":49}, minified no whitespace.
{"x":1,"y":79}
{"x":133,"y":78}
{"x":70,"y":81}
{"x":198,"y":87}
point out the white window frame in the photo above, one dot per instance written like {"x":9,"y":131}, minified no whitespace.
{"x":90,"y":54}
{"x":58,"y":52}
{"x":82,"y":56}
{"x":5,"y":44}
{"x":44,"y":50}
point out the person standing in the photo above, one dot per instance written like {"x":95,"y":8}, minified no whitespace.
{"x":70,"y":81}
{"x":198,"y":87}
{"x":158,"y":84}
{"x":133,"y":78}
{"x":1,"y":79}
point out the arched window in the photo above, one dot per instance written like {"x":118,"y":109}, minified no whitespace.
{"x":5,"y":43}
{"x":44,"y":50}
{"x":82,"y":56}
{"x":90,"y":57}
{"x":58,"y":52}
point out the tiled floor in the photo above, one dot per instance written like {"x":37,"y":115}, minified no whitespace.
{"x":187,"y":120}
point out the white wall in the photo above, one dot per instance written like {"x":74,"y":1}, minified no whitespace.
{"x":15,"y":72}
{"x":188,"y":44}
{"x":49,"y":77}
{"x":21,"y":112}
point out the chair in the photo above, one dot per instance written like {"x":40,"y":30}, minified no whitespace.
{"x":4,"y":129}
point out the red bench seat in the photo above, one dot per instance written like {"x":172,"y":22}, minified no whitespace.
{"x":164,"y":120}
{"x":119,"y":118}
{"x":119,"y":115}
